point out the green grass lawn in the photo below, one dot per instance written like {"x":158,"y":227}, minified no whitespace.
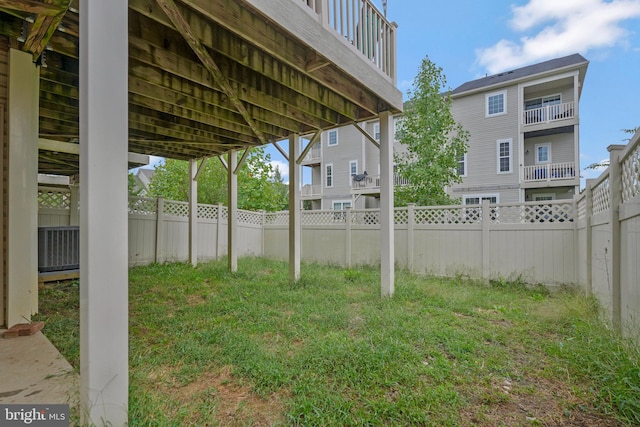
{"x":210,"y":347}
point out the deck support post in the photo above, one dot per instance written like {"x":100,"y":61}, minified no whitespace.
{"x":21,"y":297}
{"x":232,"y":222}
{"x":193,"y":212}
{"x":387,"y":248}
{"x":104,"y":355}
{"x":294,"y":209}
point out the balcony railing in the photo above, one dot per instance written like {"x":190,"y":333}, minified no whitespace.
{"x":549,"y":113}
{"x":311,"y":191}
{"x":360,"y":184}
{"x":313,"y":156}
{"x":550,"y":172}
{"x":362,"y":25}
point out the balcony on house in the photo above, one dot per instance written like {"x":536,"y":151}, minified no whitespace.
{"x":311,"y":191}
{"x":313,"y":157}
{"x":369,"y":185}
{"x":549,"y":113}
{"x":550,"y":172}
{"x":551,"y":103}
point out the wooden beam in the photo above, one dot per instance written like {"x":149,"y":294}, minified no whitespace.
{"x":279,"y":148}
{"x":171,"y":9}
{"x":287,"y":102}
{"x":43,"y":29}
{"x":366,"y":135}
{"x":242,"y":160}
{"x":314,"y":139}
{"x":58,"y":146}
{"x":31,"y":6}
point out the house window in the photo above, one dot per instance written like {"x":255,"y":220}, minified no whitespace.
{"x":376,"y":131}
{"x":462,"y":165}
{"x":476,"y":199}
{"x":543,"y":197}
{"x":543,"y":153}
{"x":329,"y":175}
{"x":332,"y":138}
{"x":353,"y":167}
{"x":340,"y":205}
{"x":496,"y":104}
{"x":504,"y":155}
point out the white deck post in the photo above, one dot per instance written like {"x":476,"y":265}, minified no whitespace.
{"x":104,"y":373}
{"x":74,"y":195}
{"x":193,"y":212}
{"x":294,"y":209}
{"x":22,"y":189}
{"x":387,"y":248}
{"x":232,"y":222}
{"x":615,"y":200}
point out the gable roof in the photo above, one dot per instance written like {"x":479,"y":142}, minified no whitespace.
{"x":520,"y":73}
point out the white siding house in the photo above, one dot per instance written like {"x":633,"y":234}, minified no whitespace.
{"x":524,"y":133}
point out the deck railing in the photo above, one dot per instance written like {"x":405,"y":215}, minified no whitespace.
{"x":550,"y":172}
{"x":312,"y":156}
{"x":372,"y":182}
{"x":362,"y":25}
{"x":310,"y":191}
{"x":549,"y":113}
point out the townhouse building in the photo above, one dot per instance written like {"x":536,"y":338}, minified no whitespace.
{"x":524,"y":133}
{"x":343,"y":168}
{"x":524,"y":143}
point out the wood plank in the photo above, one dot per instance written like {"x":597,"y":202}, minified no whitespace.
{"x":173,"y":72}
{"x":240,"y":52}
{"x":31,"y":6}
{"x":43,"y":28}
{"x":183,"y":27}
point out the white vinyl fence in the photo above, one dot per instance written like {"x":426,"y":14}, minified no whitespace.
{"x":592,"y":242}
{"x":608,"y":237}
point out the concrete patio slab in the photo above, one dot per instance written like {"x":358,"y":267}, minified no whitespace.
{"x":32,"y":371}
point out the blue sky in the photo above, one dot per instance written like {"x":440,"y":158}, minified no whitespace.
{"x":469,"y":39}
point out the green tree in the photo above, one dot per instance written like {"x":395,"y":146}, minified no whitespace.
{"x":134,"y":188}
{"x":435,"y":141}
{"x":256,"y":188}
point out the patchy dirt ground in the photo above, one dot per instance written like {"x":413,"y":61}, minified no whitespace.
{"x":544,"y":403}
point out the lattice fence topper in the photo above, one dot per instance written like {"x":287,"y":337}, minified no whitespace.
{"x":401,"y":216}
{"x":631,"y":175}
{"x":208,"y":211}
{"x":277,"y":218}
{"x":448,"y":215}
{"x":521,"y":214}
{"x":601,"y":197}
{"x":54,"y":199}
{"x":581,"y":207}
{"x":143,"y":206}
{"x":322,"y":217}
{"x":176,"y":208}
{"x":248,"y":217}
{"x":365,"y":217}
{"x":224,"y":213}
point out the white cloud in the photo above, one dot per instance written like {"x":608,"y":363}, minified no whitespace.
{"x":559,"y":28}
{"x":283,"y":167}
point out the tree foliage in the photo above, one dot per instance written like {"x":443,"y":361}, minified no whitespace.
{"x":257,"y":188}
{"x":435,"y":141}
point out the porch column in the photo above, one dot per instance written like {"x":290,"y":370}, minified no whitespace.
{"x":387,"y":248}
{"x":294,"y":209}
{"x":232,"y":222}
{"x":22,"y":189}
{"x":615,"y":200}
{"x":104,"y":374}
{"x":193,"y":212}
{"x":74,"y":217}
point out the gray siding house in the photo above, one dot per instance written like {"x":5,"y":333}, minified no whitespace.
{"x":343,"y":168}
{"x":524,"y":133}
{"x":523,"y":146}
